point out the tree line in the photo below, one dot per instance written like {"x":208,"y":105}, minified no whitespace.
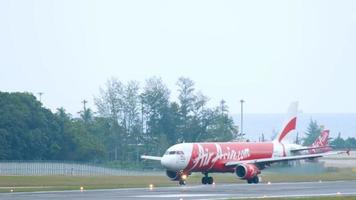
{"x":145,"y":120}
{"x":130,"y":120}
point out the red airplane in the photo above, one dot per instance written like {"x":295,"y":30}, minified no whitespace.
{"x":245,"y":159}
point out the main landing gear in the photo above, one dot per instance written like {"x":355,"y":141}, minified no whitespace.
{"x":207,"y":179}
{"x":253,"y":180}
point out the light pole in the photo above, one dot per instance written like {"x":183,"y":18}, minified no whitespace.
{"x":137,"y":138}
{"x":84,"y":103}
{"x":40,"y":94}
{"x":242,"y":119}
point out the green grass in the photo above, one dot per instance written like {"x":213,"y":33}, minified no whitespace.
{"x":45,"y":183}
{"x":334,"y":175}
{"x":267,"y":176}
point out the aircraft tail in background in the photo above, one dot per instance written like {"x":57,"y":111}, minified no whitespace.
{"x":321,"y":144}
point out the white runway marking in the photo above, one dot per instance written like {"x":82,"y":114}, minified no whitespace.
{"x":296,"y":195}
{"x":179,"y":195}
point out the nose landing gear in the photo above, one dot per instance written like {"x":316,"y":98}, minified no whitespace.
{"x":182,"y":178}
{"x":181,"y":182}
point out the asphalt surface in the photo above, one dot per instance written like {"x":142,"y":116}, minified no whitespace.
{"x":218,"y":191}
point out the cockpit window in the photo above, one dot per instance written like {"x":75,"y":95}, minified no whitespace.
{"x":174,"y":153}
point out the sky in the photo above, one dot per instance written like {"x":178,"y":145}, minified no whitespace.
{"x":268,"y":53}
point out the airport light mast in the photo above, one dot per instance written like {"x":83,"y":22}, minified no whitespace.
{"x":242,"y":132}
{"x":40,"y":95}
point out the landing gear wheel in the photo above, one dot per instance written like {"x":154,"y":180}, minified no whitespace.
{"x":255,"y":180}
{"x":207,"y":180}
{"x":181,"y":182}
{"x":210,"y":180}
{"x":249,"y":181}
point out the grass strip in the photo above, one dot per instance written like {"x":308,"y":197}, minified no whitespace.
{"x":57,"y":183}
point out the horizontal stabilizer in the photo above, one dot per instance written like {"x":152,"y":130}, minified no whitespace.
{"x":151,"y":158}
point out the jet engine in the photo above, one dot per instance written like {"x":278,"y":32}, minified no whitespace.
{"x":247,"y":171}
{"x":174,"y":176}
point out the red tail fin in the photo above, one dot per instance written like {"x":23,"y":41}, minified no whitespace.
{"x":290,"y":123}
{"x":321,"y":141}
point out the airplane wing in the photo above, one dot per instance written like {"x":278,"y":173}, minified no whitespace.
{"x":280,"y":159}
{"x":309,"y":148}
{"x":151,"y":158}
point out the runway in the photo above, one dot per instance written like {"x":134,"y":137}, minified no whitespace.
{"x":217,"y":191}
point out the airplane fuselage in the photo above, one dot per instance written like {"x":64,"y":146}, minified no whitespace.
{"x":211,"y":157}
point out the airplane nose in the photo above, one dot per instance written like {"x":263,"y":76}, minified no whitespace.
{"x":168,"y":162}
